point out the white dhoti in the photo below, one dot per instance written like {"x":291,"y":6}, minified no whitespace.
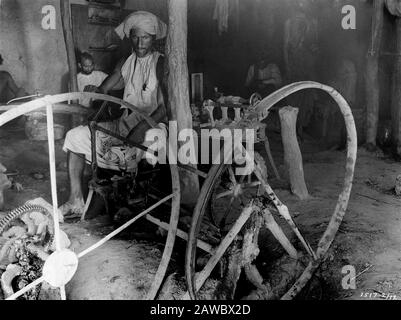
{"x":112,"y":153}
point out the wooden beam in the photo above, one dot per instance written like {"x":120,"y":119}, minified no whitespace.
{"x":64,"y":108}
{"x":396,"y":93}
{"x":178,"y":86}
{"x":181,"y":234}
{"x":372,"y":75}
{"x":69,"y":43}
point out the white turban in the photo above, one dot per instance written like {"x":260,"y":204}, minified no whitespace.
{"x":146,"y":21}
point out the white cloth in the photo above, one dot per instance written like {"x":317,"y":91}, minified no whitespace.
{"x":145,"y":21}
{"x":111,"y":152}
{"x":78,"y":140}
{"x":141,"y":87}
{"x":94,"y":79}
{"x":140,"y":80}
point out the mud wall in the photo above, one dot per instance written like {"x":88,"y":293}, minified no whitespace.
{"x":35,"y":57}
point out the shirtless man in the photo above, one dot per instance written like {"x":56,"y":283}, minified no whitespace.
{"x":8,"y":88}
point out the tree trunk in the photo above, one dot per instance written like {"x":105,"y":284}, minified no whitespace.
{"x":178,"y":88}
{"x":65,"y":10}
{"x":69,"y":43}
{"x":372,"y":77}
{"x":396,"y":93}
{"x":292,"y":153}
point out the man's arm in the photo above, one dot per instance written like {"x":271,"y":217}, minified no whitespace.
{"x":112,"y":80}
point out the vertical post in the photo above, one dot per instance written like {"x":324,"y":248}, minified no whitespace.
{"x":69,"y":43}
{"x":396,"y":93}
{"x":53,"y":181}
{"x":292,"y":153}
{"x":372,"y":77}
{"x":65,"y":10}
{"x":178,"y":87}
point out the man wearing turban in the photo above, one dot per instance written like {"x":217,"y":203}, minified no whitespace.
{"x":142,"y":75}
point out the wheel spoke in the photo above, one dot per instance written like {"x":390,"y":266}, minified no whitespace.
{"x":224,"y":194}
{"x":26,"y":289}
{"x":226,"y":213}
{"x":193,"y":170}
{"x":62,"y":293}
{"x":250,"y":185}
{"x":234,"y":196}
{"x":221,"y":249}
{"x":232,"y":176}
{"x":124,"y":226}
{"x":283,"y":211}
{"x":278,"y":233}
{"x":183,"y":235}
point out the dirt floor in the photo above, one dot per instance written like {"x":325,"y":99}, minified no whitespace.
{"x":369,"y":238}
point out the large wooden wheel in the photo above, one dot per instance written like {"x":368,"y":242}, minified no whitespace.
{"x":214,"y":186}
{"x":48,"y":102}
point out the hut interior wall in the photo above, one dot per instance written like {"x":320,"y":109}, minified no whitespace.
{"x":37,"y":59}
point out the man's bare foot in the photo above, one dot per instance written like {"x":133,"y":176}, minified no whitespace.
{"x":73,"y":208}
